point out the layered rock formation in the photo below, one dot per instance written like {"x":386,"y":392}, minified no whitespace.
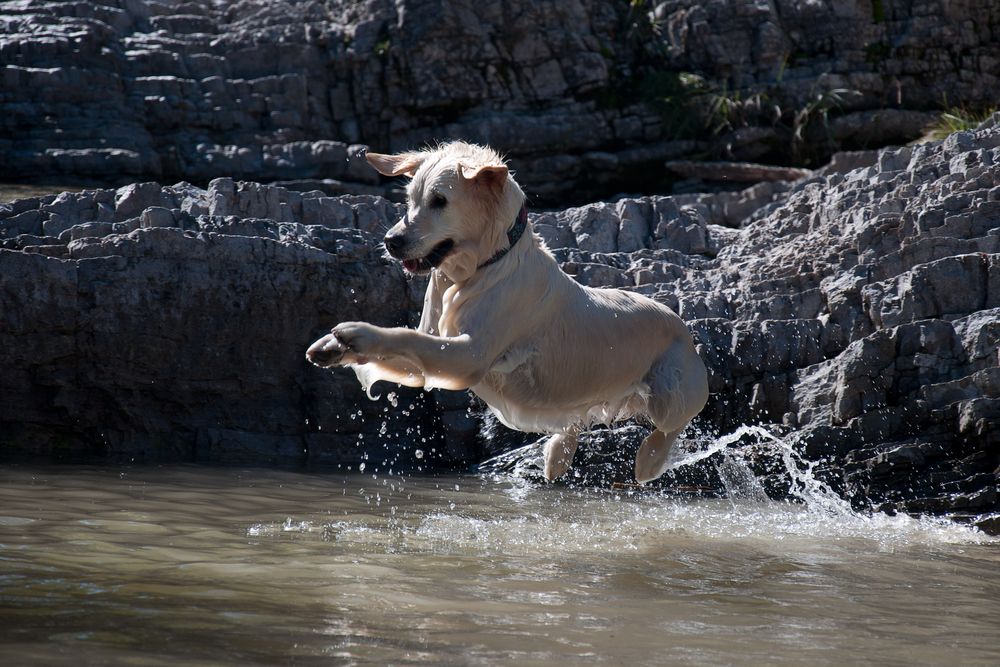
{"x":588,"y":97}
{"x":168,"y":324}
{"x":858,"y":310}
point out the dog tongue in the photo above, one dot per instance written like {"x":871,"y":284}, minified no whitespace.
{"x":411,"y":265}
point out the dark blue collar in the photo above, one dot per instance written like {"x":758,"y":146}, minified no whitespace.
{"x":513,"y":234}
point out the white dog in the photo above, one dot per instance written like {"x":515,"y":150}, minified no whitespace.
{"x":501,"y":318}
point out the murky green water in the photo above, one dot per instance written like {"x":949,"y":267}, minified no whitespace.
{"x":198,"y":566}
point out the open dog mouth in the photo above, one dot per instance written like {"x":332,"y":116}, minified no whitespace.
{"x":432,"y":260}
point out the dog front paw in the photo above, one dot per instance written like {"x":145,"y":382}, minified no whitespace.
{"x":348,"y":343}
{"x":327,"y":351}
{"x":360,"y":338}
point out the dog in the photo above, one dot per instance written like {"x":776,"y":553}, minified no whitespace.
{"x":500,"y":317}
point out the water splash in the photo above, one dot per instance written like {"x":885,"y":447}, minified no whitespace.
{"x":509,"y":515}
{"x":812,"y":511}
{"x":823,"y":513}
{"x":739,"y":480}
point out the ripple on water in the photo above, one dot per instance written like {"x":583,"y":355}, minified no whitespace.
{"x":587,"y":523}
{"x":15,"y":521}
{"x":261,"y":566}
{"x":646,"y":527}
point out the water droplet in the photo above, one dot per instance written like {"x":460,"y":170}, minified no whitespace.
{"x":419,"y":453}
{"x":361,"y":468}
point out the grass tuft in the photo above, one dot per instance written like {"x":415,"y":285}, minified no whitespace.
{"x":956,"y":120}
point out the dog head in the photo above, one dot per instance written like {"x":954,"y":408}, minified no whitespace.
{"x":461,"y":200}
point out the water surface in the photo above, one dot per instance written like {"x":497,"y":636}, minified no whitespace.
{"x":208,"y":566}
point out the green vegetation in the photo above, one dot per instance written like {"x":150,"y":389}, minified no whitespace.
{"x":878,"y":11}
{"x":728,"y":111}
{"x":695,"y":108}
{"x":676,"y":96}
{"x":956,"y":120}
{"x":877,"y":52}
{"x":817,"y":110}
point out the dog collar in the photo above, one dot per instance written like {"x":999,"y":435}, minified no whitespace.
{"x":513,"y":234}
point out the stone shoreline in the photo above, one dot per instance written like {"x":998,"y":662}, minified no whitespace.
{"x":859,"y":309}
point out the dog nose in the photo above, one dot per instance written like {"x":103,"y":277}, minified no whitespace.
{"x":395,"y":243}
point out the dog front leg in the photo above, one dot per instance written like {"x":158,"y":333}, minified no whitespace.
{"x":447,"y":363}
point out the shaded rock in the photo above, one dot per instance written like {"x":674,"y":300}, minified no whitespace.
{"x":160,"y":343}
{"x":735,"y":172}
{"x":588,"y":98}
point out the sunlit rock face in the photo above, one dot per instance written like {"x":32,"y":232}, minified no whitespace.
{"x":857,"y":310}
{"x":586,"y":97}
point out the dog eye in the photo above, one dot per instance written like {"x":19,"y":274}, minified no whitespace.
{"x":438,"y":201}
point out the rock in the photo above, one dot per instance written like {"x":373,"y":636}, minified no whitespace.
{"x":132,"y":200}
{"x":160,"y":344}
{"x":594,"y":227}
{"x":156,"y":216}
{"x":857,"y":308}
{"x":680,"y":229}
{"x":588,"y":98}
{"x":980,"y":334}
{"x":735,"y":172}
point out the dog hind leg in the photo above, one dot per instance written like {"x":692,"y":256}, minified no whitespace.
{"x":559,"y":451}
{"x":651,"y":459}
{"x":678,"y":390}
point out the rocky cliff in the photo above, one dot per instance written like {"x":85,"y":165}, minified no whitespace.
{"x":858,"y":310}
{"x":588,"y":97}
{"x":168,"y":324}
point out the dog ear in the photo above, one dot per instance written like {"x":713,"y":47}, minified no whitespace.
{"x":394,"y":165}
{"x":492,"y":176}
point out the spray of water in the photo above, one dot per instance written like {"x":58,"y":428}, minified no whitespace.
{"x":819,"y":511}
{"x":511,"y":516}
{"x":741,"y":483}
